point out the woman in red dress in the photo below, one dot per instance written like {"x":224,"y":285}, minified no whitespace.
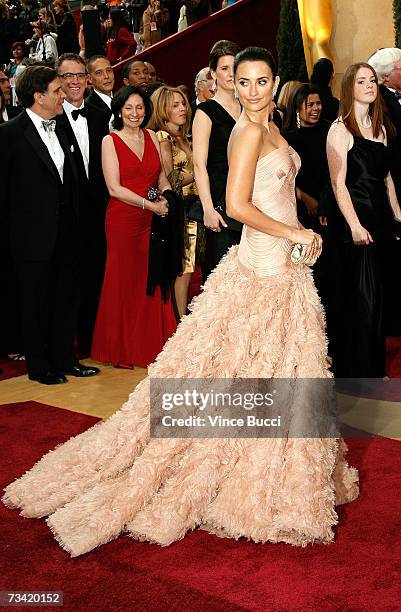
{"x":131,"y":326}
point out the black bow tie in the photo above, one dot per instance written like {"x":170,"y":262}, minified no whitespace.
{"x":397,"y":94}
{"x":79,"y":111}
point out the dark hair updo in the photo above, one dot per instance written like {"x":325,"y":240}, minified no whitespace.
{"x":256,"y":54}
{"x":220,"y":49}
{"x":120,"y":99}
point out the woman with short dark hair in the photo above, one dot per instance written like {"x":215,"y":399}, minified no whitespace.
{"x":132,"y":326}
{"x":212,"y":126}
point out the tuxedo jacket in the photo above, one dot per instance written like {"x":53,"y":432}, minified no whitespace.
{"x":392,"y":110}
{"x":95,"y":100}
{"x":13,"y":111}
{"x":92,"y":189}
{"x":32,"y":191}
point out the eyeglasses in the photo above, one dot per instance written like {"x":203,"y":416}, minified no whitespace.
{"x":69,"y":76}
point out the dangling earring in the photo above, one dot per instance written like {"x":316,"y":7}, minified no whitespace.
{"x":236,"y":94}
{"x":274,"y":92}
{"x":298,"y":120}
{"x":214,"y":86}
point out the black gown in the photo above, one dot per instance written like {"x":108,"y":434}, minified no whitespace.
{"x":359,"y":342}
{"x":218,"y":243}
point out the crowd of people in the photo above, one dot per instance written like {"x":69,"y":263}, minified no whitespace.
{"x":258,"y":316}
{"x":43,"y":31}
{"x":130,"y":196}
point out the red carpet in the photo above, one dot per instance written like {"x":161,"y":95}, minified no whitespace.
{"x":393,"y":364}
{"x":360,"y":571}
{"x":10,"y":368}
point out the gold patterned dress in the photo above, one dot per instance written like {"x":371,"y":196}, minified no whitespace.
{"x":183,"y":163}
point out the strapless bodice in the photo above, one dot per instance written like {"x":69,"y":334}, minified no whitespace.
{"x":274,"y":195}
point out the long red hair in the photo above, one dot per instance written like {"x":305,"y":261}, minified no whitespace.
{"x":347,"y":102}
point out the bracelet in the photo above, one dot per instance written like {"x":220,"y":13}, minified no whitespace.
{"x":143,"y":203}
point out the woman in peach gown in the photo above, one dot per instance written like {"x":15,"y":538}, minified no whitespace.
{"x":258,"y":317}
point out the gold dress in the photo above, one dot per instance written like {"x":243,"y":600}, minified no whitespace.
{"x":182,"y":163}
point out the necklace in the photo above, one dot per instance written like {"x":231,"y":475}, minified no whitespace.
{"x":368,"y":123}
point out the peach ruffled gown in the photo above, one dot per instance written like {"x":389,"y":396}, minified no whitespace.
{"x":259,"y":316}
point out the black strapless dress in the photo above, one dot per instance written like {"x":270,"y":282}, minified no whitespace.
{"x":359,"y":342}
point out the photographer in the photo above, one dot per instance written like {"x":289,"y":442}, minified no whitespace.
{"x":46,"y":49}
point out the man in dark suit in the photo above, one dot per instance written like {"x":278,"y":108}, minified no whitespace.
{"x":203,"y":90}
{"x":39,"y":205}
{"x":387,"y":64}
{"x":102,"y":77}
{"x":85,"y":125}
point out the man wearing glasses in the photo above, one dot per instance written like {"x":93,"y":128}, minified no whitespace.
{"x":86,"y":126}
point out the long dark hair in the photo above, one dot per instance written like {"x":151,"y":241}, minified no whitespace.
{"x":298,"y":100}
{"x":118,"y":21}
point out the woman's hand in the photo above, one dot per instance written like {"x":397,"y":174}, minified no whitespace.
{"x":360,"y":235}
{"x":212,"y":220}
{"x":314,"y":242}
{"x":160,"y":207}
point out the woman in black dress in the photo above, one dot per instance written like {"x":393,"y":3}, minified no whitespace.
{"x":211,"y":132}
{"x":363,"y":223}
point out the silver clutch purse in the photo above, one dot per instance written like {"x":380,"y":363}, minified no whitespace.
{"x":298,"y":253}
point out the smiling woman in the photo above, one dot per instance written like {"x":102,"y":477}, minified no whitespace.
{"x":131,"y":326}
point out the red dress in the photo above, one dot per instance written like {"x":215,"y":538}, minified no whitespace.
{"x":131,"y":327}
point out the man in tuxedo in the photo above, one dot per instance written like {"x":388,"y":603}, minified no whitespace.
{"x":85,"y":125}
{"x":102,"y":77}
{"x":39,"y":204}
{"x":387,"y":64}
{"x":203,"y":90}
{"x":9,"y":111}
{"x":152,"y":74}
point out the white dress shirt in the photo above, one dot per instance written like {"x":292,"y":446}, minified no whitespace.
{"x":50,"y":140}
{"x":80,"y":129}
{"x":5,"y":114}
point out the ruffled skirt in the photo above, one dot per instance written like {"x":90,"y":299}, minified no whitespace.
{"x":115,"y":478}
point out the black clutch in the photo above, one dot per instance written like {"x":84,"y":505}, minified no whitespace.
{"x":195,"y":211}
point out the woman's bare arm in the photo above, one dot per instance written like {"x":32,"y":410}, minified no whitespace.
{"x":245,"y":148}
{"x":111,"y":172}
{"x":339,"y":141}
{"x":201,"y":131}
